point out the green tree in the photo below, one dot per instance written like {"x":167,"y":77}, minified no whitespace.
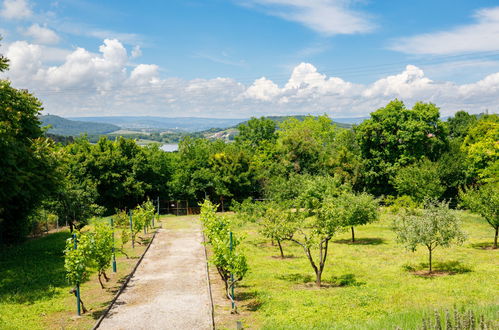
{"x":278,"y":224}
{"x":482,"y":149}
{"x":420,"y":180}
{"x":395,"y":137}
{"x":314,"y":233}
{"x":435,"y":225}
{"x":484,"y":201}
{"x":256,"y":131}
{"x":304,"y":146}
{"x":460,"y":124}
{"x":356,"y":210}
{"x":28,"y":163}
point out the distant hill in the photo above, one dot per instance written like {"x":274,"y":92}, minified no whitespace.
{"x":65,"y":127}
{"x":146,"y":123}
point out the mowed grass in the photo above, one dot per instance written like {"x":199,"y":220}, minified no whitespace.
{"x":34,"y":293}
{"x":368,"y":285}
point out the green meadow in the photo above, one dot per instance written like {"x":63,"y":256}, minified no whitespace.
{"x":372,"y":284}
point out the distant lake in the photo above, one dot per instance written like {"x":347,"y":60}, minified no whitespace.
{"x":169,"y":147}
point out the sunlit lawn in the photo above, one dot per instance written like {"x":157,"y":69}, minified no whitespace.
{"x":34,"y":293}
{"x":379,"y":291}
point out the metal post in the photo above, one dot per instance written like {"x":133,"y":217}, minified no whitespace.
{"x":77,"y":284}
{"x":232,"y":278}
{"x":114,"y":254}
{"x":131,"y":229}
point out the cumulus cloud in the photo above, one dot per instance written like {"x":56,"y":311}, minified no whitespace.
{"x":105,"y":83}
{"x":328,"y":17}
{"x":15,"y":9}
{"x":42,"y":34}
{"x":480,"y":36}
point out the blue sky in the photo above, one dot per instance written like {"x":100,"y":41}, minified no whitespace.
{"x":237,"y":58}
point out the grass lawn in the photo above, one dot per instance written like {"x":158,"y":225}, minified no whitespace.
{"x":34,"y":293}
{"x":368,"y":285}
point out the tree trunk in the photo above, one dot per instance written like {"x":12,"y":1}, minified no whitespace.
{"x":495,"y":238}
{"x":100,"y":281}
{"x":429,"y":249}
{"x":353,"y":235}
{"x":318,"y":277}
{"x":280,"y":248}
{"x":105,"y":276}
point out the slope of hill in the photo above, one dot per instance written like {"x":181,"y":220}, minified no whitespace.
{"x":65,"y":127}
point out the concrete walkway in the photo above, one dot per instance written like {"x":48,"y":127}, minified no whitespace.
{"x":170,"y":288}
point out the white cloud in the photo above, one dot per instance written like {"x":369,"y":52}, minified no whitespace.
{"x":87,"y":83}
{"x":145,"y":74}
{"x":16,"y":9}
{"x":42,"y":34}
{"x":262,"y":89}
{"x":25,"y":61}
{"x":136,"y":51}
{"x":481,"y":36}
{"x":328,"y":17}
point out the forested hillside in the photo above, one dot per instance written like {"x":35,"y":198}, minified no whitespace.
{"x":66,"y":127}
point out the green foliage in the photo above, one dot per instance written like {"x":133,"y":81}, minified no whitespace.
{"x":28,"y":162}
{"x":122,"y":172}
{"x":255,"y":131}
{"x":303,"y":146}
{"x":435,"y":225}
{"x":356,"y":209}
{"x":77,"y":261}
{"x":460,"y":124}
{"x":484,"y":201}
{"x":101,"y":250}
{"x":395,"y":137}
{"x":226,"y":257}
{"x":247,"y":210}
{"x":482,"y":150}
{"x":122,"y":222}
{"x":4,"y":62}
{"x":278,"y":224}
{"x":402,"y":203}
{"x":420,"y":180}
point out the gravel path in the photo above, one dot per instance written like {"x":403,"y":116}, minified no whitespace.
{"x":170,"y":288}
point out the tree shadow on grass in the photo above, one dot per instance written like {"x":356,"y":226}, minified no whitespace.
{"x":362,"y":241}
{"x":295,"y":278}
{"x":250,"y":300}
{"x":33,"y":270}
{"x":451,"y":267}
{"x":483,"y":246}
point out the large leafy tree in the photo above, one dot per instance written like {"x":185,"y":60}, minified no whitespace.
{"x":257,"y":131}
{"x":394,"y":137}
{"x":305,"y":146}
{"x":28,"y":164}
{"x":482,"y":149}
{"x":460,"y":124}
